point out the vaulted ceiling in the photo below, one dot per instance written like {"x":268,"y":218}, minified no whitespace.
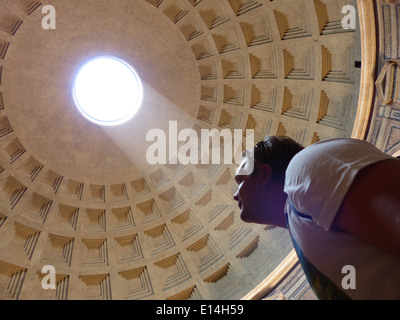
{"x":84,"y":198}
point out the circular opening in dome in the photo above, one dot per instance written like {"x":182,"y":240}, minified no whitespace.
{"x":107,"y":91}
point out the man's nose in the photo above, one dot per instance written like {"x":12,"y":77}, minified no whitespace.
{"x":236,"y":195}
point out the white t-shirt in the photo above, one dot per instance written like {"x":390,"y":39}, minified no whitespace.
{"x":317,"y":180}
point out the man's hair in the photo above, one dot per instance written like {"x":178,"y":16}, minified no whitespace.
{"x":277,"y":151}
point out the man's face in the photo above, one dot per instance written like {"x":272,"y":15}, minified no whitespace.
{"x":260,"y":198}
{"x":249,"y":192}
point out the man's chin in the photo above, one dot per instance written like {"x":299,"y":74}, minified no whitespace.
{"x":248,"y":218}
{"x":245,"y":217}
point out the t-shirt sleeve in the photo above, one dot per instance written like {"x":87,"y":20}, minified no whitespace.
{"x":319,"y":177}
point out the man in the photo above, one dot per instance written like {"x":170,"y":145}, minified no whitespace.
{"x":340,"y":200}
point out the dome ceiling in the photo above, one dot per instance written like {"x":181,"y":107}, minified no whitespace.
{"x":84,"y":198}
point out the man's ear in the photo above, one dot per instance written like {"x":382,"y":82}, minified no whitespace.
{"x":266,"y":174}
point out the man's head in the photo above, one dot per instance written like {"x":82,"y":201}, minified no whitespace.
{"x":260,"y":193}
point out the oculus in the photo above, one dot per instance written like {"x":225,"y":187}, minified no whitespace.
{"x":107,"y":91}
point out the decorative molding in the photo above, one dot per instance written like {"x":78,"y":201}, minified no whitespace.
{"x":367,"y":83}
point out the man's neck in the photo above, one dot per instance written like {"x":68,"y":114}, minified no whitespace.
{"x":277,"y":204}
